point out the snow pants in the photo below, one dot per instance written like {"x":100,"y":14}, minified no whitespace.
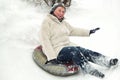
{"x":80,"y":56}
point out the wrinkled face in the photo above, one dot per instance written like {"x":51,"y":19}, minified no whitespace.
{"x":59,"y":12}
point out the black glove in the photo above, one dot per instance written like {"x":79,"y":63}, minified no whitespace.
{"x":94,"y":30}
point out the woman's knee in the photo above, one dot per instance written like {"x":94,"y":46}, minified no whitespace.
{"x":68,"y":52}
{"x":74,"y":51}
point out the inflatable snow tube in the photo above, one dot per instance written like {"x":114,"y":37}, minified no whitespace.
{"x":55,"y":69}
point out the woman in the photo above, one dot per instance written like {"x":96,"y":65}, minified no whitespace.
{"x":56,"y":45}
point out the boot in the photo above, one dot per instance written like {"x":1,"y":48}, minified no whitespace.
{"x":113,"y":62}
{"x":97,"y":73}
{"x":87,"y":68}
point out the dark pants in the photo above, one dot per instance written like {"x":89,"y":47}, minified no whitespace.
{"x":80,"y":56}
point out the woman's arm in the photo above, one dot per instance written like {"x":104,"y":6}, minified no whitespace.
{"x":77,"y":31}
{"x":45,"y":41}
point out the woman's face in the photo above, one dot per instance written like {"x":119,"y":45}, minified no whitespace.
{"x":59,"y":12}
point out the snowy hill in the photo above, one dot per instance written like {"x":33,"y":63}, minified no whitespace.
{"x":19,"y":35}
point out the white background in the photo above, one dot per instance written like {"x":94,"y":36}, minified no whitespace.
{"x":19,"y":35}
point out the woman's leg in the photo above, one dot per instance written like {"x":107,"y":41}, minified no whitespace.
{"x":97,"y":58}
{"x":68,"y":54}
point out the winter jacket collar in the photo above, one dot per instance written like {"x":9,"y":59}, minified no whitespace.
{"x":54,"y":18}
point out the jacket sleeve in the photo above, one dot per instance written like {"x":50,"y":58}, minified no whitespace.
{"x":45,"y":41}
{"x":77,"y":31}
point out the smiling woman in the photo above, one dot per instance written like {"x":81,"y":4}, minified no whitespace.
{"x":19,"y":35}
{"x":54,"y":37}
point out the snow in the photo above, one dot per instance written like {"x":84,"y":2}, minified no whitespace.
{"x":19,"y":35}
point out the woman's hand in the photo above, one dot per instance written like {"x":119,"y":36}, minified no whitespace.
{"x":94,"y":30}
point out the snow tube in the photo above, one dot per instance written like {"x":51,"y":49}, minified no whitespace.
{"x":56,"y":69}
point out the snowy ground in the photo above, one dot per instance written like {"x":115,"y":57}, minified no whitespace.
{"x":19,"y":35}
